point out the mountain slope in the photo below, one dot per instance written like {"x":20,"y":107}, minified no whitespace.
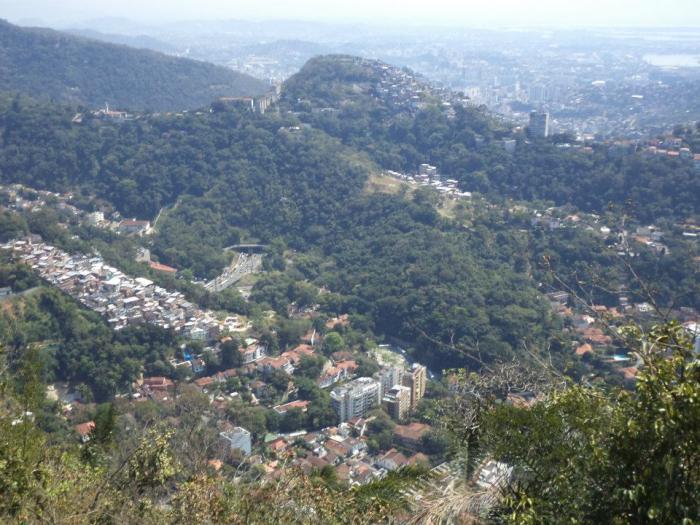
{"x":138,"y":41}
{"x":388,"y":260}
{"x":401,"y":122}
{"x":52,"y":65}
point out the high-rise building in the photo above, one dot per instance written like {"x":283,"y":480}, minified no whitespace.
{"x":397,"y":401}
{"x":415,"y":379}
{"x":239,"y":439}
{"x":539,"y":125}
{"x":538,"y":94}
{"x":390,"y":376}
{"x":356,"y":398}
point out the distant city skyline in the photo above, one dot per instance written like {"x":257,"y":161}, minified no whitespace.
{"x":466,"y":13}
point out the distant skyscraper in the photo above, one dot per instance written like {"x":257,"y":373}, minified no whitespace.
{"x":356,"y":398}
{"x":538,"y":94}
{"x":539,"y":125}
{"x":416,"y":379}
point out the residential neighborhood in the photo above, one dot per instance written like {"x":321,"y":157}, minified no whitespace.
{"x":121,"y":299}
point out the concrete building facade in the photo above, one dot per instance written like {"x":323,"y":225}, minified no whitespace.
{"x":416,"y":379}
{"x":397,"y":402}
{"x":539,"y":125}
{"x":356,"y":398}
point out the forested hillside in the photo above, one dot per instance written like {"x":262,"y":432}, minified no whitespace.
{"x":69,"y":69}
{"x":131,"y":417}
{"x":358,"y":103}
{"x":236,"y":174}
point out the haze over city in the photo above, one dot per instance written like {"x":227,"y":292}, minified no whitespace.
{"x":498,"y":13}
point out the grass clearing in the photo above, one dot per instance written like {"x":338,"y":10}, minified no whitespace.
{"x":379,"y":183}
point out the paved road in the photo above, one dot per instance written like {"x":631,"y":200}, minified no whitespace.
{"x":245,"y":264}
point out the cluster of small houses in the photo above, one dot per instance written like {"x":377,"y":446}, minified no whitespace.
{"x":428,"y":176}
{"x":121,"y":299}
{"x":650,"y":236}
{"x":343,"y":447}
{"x":595,"y":339}
{"x":670,"y":147}
{"x":258,"y":104}
{"x":256,"y":363}
{"x":25,"y":199}
{"x":403,"y":89}
{"x":397,"y":389}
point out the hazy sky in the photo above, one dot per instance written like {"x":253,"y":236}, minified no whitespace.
{"x":451,"y":12}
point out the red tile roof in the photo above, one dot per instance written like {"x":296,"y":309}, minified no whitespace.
{"x":629,"y":372}
{"x":412,"y":431}
{"x":419,"y":459}
{"x":204,"y":382}
{"x":277,"y":445}
{"x":584,"y":349}
{"x":283,"y":409}
{"x":395,"y":457}
{"x":342,"y":320}
{"x":338,"y":448}
{"x":216,"y":464}
{"x":350,"y":366}
{"x":596,"y":336}
{"x":84,"y":429}
{"x":158,"y":383}
{"x":161,"y":267}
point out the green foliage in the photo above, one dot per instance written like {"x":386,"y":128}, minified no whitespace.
{"x":310,"y":367}
{"x":394,"y":266}
{"x":380,"y":433}
{"x":397,"y":139}
{"x":333,"y":342}
{"x":292,"y":421}
{"x":579,"y":455}
{"x":57,"y":66}
{"x":585,"y":263}
{"x":230,"y":356}
{"x":11,"y":226}
{"x":152,"y":464}
{"x":17,"y":276}
{"x":21,"y":442}
{"x":79,"y":347}
{"x":105,"y":419}
{"x":435,"y":443}
{"x":586,"y":456}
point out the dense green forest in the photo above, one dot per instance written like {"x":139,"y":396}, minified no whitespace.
{"x":583,"y":455}
{"x":591,"y":266}
{"x":340,"y":97}
{"x":233,"y":172}
{"x":69,"y":69}
{"x":76,"y":345}
{"x":462,"y":292}
{"x":392,"y":261}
